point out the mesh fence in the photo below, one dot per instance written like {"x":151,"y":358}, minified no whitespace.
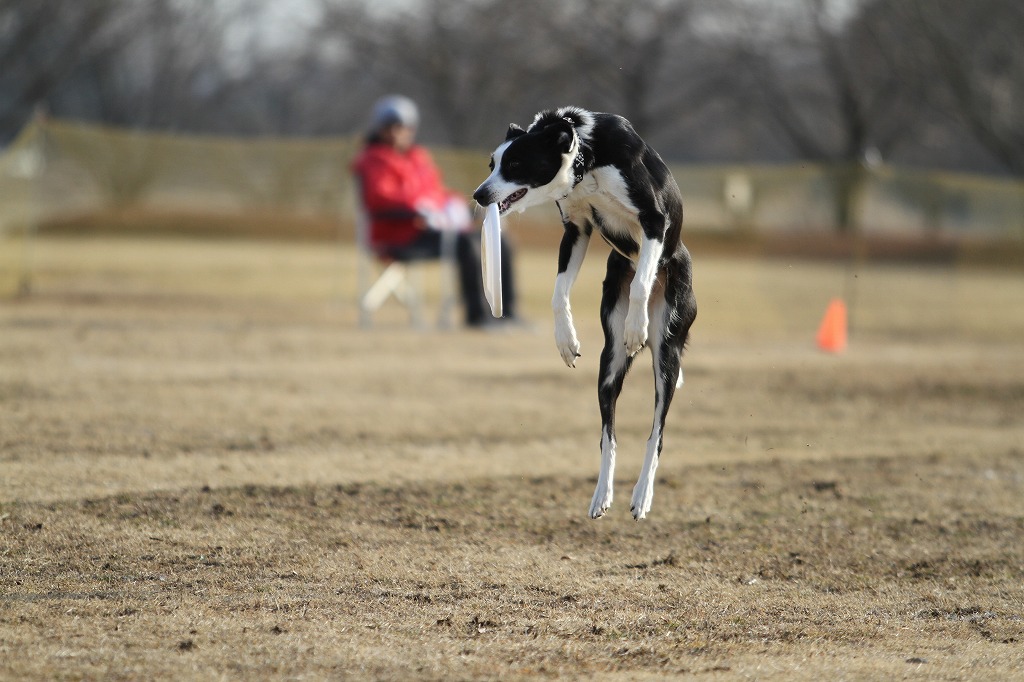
{"x":74,"y":176}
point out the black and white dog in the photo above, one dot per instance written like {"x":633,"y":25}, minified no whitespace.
{"x":604,"y":177}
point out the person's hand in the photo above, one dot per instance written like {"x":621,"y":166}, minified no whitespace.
{"x":429,"y":217}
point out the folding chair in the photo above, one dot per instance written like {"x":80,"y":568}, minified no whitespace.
{"x":381,"y":278}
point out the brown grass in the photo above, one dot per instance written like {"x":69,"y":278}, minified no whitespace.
{"x":207,"y":471}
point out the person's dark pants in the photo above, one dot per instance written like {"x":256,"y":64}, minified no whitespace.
{"x":427,"y":246}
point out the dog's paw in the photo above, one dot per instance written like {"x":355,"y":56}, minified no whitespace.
{"x":635,"y":334}
{"x":566,"y":341}
{"x":643,"y":495}
{"x":602,"y":501}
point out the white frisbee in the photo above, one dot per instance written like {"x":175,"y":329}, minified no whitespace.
{"x":490,"y":258}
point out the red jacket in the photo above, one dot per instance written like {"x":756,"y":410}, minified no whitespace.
{"x":394,"y":186}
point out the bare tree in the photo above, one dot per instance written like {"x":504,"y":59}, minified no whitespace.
{"x":151,"y":75}
{"x":975,"y":54}
{"x":41,"y":44}
{"x":833,"y":88}
{"x":469,"y":64}
{"x":631,"y":58}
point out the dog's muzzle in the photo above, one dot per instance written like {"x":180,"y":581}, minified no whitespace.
{"x":485,"y":196}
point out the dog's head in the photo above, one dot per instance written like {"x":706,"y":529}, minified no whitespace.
{"x":531,"y":166}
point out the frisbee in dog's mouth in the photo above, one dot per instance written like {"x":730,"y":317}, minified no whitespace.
{"x":505,"y":203}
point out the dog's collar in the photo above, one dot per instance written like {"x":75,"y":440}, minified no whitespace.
{"x":583,"y":160}
{"x":579,"y":167}
{"x":582,"y":163}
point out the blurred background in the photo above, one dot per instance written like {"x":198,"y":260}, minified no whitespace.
{"x":825,"y":127}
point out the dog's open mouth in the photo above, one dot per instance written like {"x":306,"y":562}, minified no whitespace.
{"x":504,"y":204}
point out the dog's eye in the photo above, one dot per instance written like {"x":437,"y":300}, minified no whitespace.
{"x":491,"y":163}
{"x":514,"y":165}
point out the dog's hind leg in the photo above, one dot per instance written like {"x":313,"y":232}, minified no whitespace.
{"x":666,"y":373}
{"x":615,"y":363}
{"x":672,"y":312}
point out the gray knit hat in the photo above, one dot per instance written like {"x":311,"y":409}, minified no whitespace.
{"x":394,"y":109}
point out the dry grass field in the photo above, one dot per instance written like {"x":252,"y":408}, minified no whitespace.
{"x":208,"y":471}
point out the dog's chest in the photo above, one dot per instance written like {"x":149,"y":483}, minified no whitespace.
{"x":602,"y":201}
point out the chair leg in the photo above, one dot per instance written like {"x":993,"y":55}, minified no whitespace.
{"x":410,"y":294}
{"x":405,"y":283}
{"x":389,"y":283}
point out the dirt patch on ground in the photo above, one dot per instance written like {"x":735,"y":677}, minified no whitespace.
{"x":206,"y":470}
{"x":859,"y":568}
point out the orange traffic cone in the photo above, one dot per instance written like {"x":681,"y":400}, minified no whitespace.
{"x":832,"y":332}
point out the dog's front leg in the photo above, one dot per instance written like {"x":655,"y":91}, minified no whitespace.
{"x":570,"y":257}
{"x":637,"y":319}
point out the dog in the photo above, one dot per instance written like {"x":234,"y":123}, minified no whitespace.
{"x":603,"y":177}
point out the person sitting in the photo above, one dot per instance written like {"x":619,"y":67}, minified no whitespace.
{"x":410,"y":209}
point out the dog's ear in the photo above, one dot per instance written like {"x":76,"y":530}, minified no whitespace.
{"x":562,"y":132}
{"x":513,"y":132}
{"x":564,"y":142}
